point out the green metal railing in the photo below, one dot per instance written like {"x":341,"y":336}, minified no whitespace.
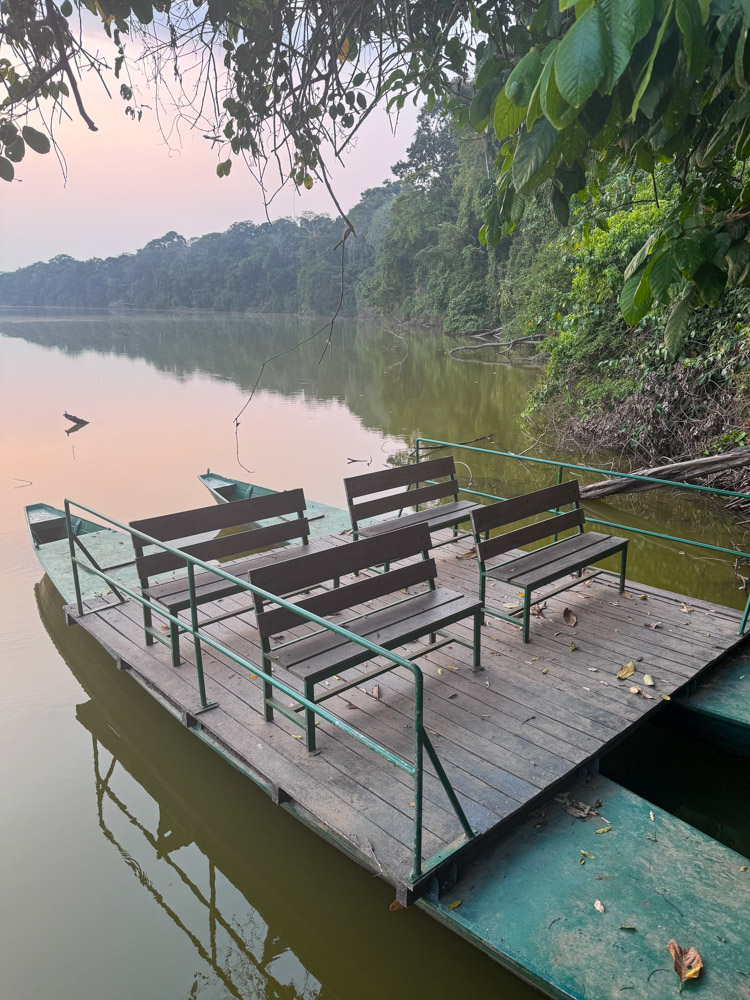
{"x":422,"y":742}
{"x":433,"y":444}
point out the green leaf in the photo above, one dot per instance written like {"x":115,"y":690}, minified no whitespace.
{"x":676,"y":329}
{"x":554,"y":105}
{"x":36,"y":140}
{"x":16,"y":150}
{"x":223,"y":168}
{"x":738,"y":258}
{"x":711,"y":281}
{"x":619,"y":20}
{"x":581,"y":58}
{"x":639,"y":258}
{"x":66,"y":8}
{"x":481,"y":107}
{"x":631,"y":312}
{"x":7,"y":171}
{"x":520,"y":84}
{"x":688,"y":254}
{"x":689,"y":21}
{"x":534,"y":147}
{"x":644,"y":17}
{"x":534,"y":109}
{"x":507,"y":116}
{"x":649,"y":68}
{"x":489,"y":71}
{"x":663,"y":275}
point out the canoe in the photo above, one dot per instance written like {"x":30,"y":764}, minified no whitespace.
{"x":324,"y":519}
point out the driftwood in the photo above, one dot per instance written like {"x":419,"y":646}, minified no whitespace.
{"x":677,"y":471}
{"x":507,"y":344}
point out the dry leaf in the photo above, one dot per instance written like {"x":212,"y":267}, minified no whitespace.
{"x":440,"y":671}
{"x":573,"y":647}
{"x":744,"y":868}
{"x":665,"y":697}
{"x":652,"y":625}
{"x":642,"y":597}
{"x":395,"y":905}
{"x":685,"y":609}
{"x":598,"y":905}
{"x":648,"y":680}
{"x":604,"y":829}
{"x":449,"y":666}
{"x":454,"y":904}
{"x":687,"y":961}
{"x":635,"y":690}
{"x":569,"y":618}
{"x":588,"y":855}
{"x":376,"y":691}
{"x":627,"y":927}
{"x":545,"y":671}
{"x":651,"y":814}
{"x":627,"y":670}
{"x":454,"y":695}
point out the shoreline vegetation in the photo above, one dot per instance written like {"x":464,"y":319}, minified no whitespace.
{"x":548,"y":291}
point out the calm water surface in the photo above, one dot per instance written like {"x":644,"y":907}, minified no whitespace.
{"x":135,"y":863}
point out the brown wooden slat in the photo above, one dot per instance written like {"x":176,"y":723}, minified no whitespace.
{"x":553,"y":570}
{"x":529,"y":533}
{"x":403,"y":499}
{"x":276,"y":620}
{"x":226,"y":545}
{"x":403,"y":475}
{"x":444,"y":516}
{"x":318,"y":567}
{"x":506,"y":511}
{"x":571,"y":547}
{"x":184,"y":523}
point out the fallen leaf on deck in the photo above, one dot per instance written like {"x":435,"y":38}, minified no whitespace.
{"x":627,"y":670}
{"x":651,"y":814}
{"x":254,"y":677}
{"x":594,"y":670}
{"x":604,"y":829}
{"x":685,"y":609}
{"x":569,"y":618}
{"x":643,"y":597}
{"x":744,"y":868}
{"x":165,"y":628}
{"x":510,"y":604}
{"x":648,"y":680}
{"x":573,"y":647}
{"x":440,"y":670}
{"x":687,"y":961}
{"x":545,"y":671}
{"x":376,"y":691}
{"x":665,"y":697}
{"x":627,"y":927}
{"x":297,"y":737}
{"x":395,"y":905}
{"x":635,"y":690}
{"x":449,"y":666}
{"x":467,"y":555}
{"x":581,"y":810}
{"x":627,"y":595}
{"x":652,"y":625}
{"x":598,"y":905}
{"x":454,"y":904}
{"x":454,"y":695}
{"x":588,"y":855}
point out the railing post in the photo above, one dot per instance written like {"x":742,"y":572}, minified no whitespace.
{"x":418,"y":771}
{"x":746,"y":615}
{"x":73,"y":563}
{"x":196,"y":639}
{"x":559,"y":480}
{"x":416,"y":450}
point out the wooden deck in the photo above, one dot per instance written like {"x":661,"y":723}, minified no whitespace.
{"x":508,"y":735}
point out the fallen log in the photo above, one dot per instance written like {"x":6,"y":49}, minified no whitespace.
{"x":676,"y":471}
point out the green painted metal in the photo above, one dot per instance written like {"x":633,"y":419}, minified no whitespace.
{"x":420,"y":736}
{"x":735,"y":553}
{"x":529,"y":902}
{"x":718,"y":709}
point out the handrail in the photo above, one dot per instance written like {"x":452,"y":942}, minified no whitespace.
{"x":560,"y":465}
{"x":422,"y":741}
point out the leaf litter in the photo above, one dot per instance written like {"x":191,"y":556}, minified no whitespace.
{"x":687,"y":962}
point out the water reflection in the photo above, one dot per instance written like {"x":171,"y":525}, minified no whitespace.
{"x":270,"y":910}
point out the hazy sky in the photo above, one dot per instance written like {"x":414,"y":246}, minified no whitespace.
{"x":126,"y":187}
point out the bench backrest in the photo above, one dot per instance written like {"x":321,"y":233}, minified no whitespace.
{"x":497,"y":515}
{"x":390,"y":479}
{"x":242,"y":514}
{"x":308,"y":571}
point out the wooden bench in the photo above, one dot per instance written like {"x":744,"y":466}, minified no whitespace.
{"x":323,"y":654}
{"x":544,"y":565}
{"x":445,"y":515}
{"x":288,"y":510}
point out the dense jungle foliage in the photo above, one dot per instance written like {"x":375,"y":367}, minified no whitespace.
{"x":416,"y":258}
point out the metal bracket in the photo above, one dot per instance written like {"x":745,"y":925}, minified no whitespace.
{"x":190,"y":718}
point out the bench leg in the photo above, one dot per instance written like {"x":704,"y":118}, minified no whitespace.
{"x":174,"y":638}
{"x":526,"y":614}
{"x":478,"y":622}
{"x":623,"y":563}
{"x":267,"y":689}
{"x":147,"y":624}
{"x":309,"y":691}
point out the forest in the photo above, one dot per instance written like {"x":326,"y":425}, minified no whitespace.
{"x":416,"y":259}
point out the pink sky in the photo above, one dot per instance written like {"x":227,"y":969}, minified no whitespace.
{"x":125,"y":187}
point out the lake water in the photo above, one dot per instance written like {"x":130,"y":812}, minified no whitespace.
{"x":135,"y":863}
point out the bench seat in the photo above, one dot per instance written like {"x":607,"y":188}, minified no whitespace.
{"x":545,"y":565}
{"x":444,"y":516}
{"x":314,"y":657}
